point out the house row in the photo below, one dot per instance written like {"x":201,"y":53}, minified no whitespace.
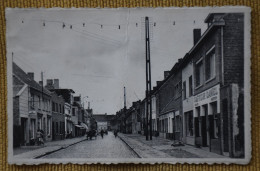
{"x":57,"y":112}
{"x":200,"y":101}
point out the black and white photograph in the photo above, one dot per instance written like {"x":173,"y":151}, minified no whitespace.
{"x":129,"y":85}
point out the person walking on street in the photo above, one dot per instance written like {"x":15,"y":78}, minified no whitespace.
{"x":102,"y":133}
{"x":115,"y":133}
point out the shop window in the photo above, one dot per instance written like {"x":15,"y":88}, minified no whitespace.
{"x":184,"y":90}
{"x":210,"y":64}
{"x":189,"y":123}
{"x":199,"y":72}
{"x":190,"y":86}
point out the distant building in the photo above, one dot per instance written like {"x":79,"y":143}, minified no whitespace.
{"x":103,"y":121}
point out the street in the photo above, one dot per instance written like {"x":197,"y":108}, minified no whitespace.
{"x":108,"y":147}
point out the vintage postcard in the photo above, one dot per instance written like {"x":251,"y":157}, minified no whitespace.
{"x":129,"y":85}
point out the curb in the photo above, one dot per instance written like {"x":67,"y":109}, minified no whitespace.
{"x":61,"y":148}
{"x":138,"y":155}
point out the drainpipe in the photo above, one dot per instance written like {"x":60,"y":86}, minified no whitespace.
{"x":222,"y":83}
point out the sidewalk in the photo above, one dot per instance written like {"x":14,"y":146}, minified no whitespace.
{"x":161,"y":148}
{"x":33,"y":152}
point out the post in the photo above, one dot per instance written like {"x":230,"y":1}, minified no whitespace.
{"x":124,"y":110}
{"x":148,"y":81}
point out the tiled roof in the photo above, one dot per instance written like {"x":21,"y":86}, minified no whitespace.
{"x":18,"y":72}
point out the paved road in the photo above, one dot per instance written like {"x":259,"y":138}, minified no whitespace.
{"x":108,"y":147}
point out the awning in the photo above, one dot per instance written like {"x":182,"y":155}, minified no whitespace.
{"x":84,"y":125}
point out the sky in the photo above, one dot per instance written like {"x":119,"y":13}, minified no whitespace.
{"x":88,"y":52}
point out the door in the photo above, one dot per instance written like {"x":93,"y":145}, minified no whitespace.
{"x":23,"y":128}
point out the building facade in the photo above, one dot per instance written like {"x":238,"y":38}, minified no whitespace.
{"x":31,"y":108}
{"x":58,"y":117}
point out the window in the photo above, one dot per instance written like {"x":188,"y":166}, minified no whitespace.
{"x":32,"y":129}
{"x":60,"y":108}
{"x":39,"y":123}
{"x":210,"y":64}
{"x":53,"y":106}
{"x":73,"y":111}
{"x":56,"y":107}
{"x":184,"y":90}
{"x":189,"y":123}
{"x":199,"y":73}
{"x":32,"y":101}
{"x":190,"y":86}
{"x":39,"y":102}
{"x":48,"y":126}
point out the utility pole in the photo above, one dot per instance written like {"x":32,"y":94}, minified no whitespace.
{"x":148,"y":81}
{"x":124,"y":109}
{"x":42,"y":83}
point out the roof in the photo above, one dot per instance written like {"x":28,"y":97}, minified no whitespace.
{"x":19,"y":73}
{"x":65,"y":93}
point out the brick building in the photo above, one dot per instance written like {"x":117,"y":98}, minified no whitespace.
{"x":218,"y":59}
{"x":58,"y":117}
{"x":170,"y":104}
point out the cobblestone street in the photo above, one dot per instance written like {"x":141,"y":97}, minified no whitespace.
{"x":108,"y":147}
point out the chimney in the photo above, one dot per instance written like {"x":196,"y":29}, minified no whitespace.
{"x":166,"y":74}
{"x":196,"y":35}
{"x":56,"y":84}
{"x":41,"y":83}
{"x":49,"y":82}
{"x":31,"y":75}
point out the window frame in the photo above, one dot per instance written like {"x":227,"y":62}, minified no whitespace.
{"x":209,"y":54}
{"x":200,"y":61}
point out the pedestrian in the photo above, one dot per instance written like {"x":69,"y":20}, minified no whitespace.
{"x":102,"y":133}
{"x":39,"y":137}
{"x":115,"y":133}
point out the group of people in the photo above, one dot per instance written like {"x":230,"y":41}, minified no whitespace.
{"x":102,"y":132}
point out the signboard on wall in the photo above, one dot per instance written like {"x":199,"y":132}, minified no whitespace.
{"x":207,"y":96}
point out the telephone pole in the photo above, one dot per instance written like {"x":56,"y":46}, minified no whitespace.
{"x":148,"y":81}
{"x":125,"y":109}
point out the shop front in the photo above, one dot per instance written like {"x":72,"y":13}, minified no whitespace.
{"x":207,"y":119}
